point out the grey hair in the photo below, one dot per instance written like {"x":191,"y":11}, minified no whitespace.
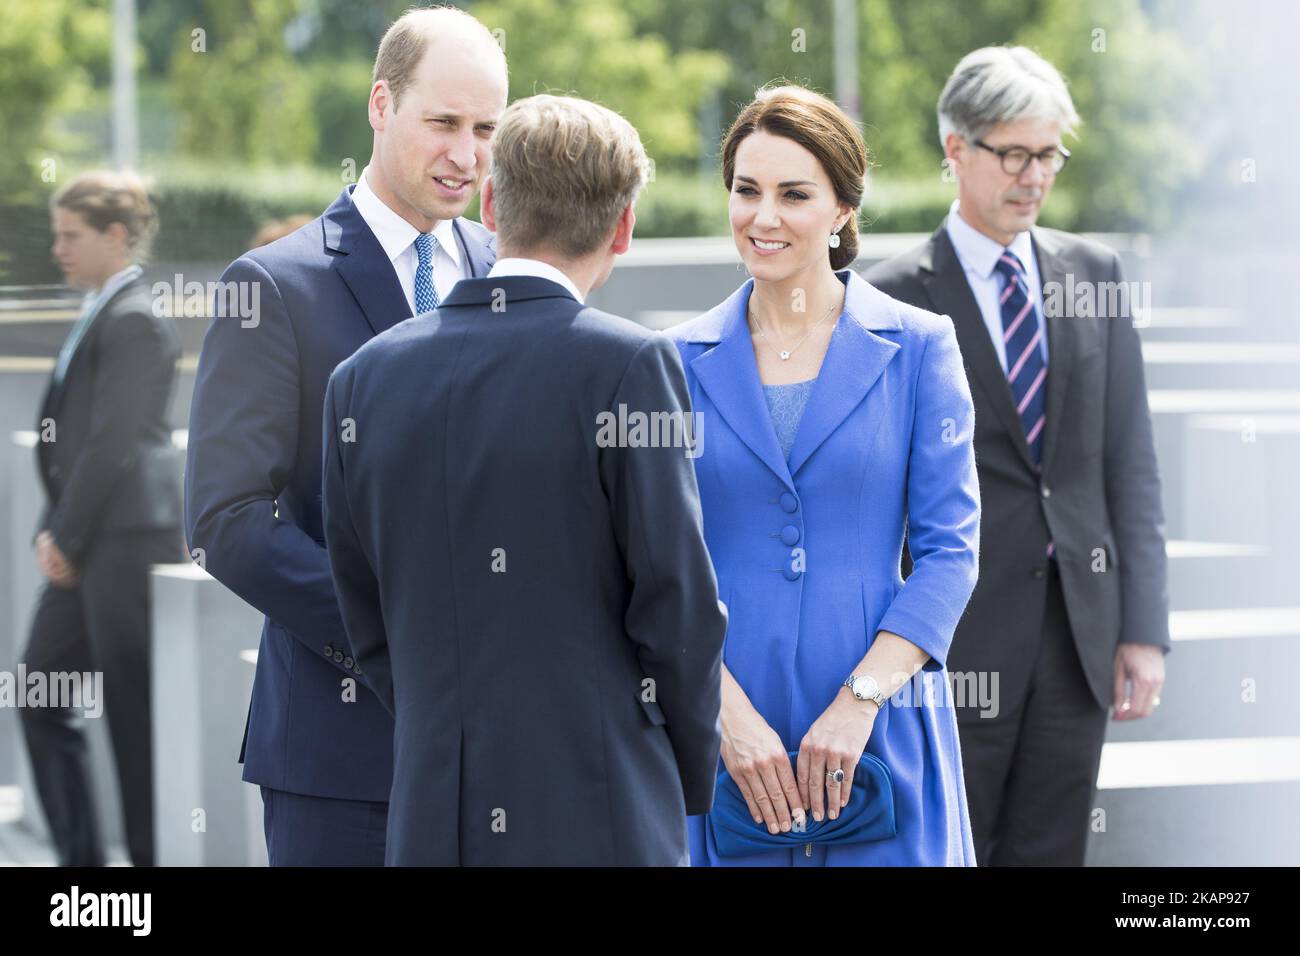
{"x":998,"y":84}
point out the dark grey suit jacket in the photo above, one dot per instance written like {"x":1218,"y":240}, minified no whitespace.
{"x":1098,"y":496}
{"x":112,"y":466}
{"x":538,"y":611}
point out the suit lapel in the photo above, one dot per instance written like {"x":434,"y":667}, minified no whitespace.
{"x":54,"y":392}
{"x":1060,"y":340}
{"x":945,"y":283}
{"x":364,"y":266}
{"x":481,"y":255}
{"x":854,"y":361}
{"x":729,"y":374}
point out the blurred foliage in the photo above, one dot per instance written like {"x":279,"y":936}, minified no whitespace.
{"x":237,"y":88}
{"x":1142,"y":95}
{"x":591,"y":48}
{"x":52,"y":55}
{"x":258,"y":114}
{"x":1139,"y":90}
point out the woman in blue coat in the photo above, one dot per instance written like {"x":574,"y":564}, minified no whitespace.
{"x":837,"y":421}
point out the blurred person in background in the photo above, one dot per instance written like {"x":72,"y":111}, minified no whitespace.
{"x":1071,"y":611}
{"x":110,"y":475}
{"x":318,"y":741}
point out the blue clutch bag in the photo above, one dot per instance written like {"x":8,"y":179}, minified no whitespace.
{"x":868,"y":816}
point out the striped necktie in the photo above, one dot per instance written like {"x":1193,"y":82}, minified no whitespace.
{"x":1022,"y":334}
{"x":426,"y":296}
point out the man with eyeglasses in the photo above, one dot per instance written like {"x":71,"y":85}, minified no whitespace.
{"x":1070,"y":615}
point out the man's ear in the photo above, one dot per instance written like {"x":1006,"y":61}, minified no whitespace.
{"x":486,"y":210}
{"x":379,"y":102}
{"x":623,"y":234}
{"x":954,"y":150}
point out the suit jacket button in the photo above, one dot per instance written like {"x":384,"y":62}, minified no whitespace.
{"x":789,"y":535}
{"x":1047,"y":492}
{"x":789,"y":503}
{"x":347,"y":662}
{"x":338,"y":657}
{"x":329,"y":650}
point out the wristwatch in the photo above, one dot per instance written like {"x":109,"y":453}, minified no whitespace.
{"x":864,"y":687}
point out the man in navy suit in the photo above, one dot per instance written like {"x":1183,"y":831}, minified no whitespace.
{"x":514,"y":529}
{"x":318,"y":741}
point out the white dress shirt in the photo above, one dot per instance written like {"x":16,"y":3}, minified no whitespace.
{"x":534,"y":267}
{"x":978,"y":255}
{"x":397,"y":236}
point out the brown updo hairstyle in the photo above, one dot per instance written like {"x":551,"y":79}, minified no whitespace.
{"x":819,"y":126}
{"x":103,"y":197}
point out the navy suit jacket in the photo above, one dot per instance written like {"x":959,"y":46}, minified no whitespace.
{"x":253,"y":492}
{"x":536,"y":604}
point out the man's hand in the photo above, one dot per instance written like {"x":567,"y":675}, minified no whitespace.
{"x":1139,"y":675}
{"x":57,"y":568}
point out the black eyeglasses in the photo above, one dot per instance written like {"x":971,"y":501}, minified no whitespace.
{"x":1015,"y":159}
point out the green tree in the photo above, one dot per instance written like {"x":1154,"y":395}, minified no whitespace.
{"x":1140,"y":91}
{"x":591,"y":48}
{"x":237,"y":89}
{"x":52,"y":52}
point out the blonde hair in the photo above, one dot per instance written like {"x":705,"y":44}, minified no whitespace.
{"x":406,"y":40}
{"x":563,"y":171}
{"x":103,"y":197}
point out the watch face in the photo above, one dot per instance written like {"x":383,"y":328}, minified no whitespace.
{"x":864,"y":687}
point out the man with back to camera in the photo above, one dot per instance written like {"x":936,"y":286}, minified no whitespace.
{"x":542,"y":616}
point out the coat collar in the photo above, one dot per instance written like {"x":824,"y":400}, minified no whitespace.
{"x":945,"y":283}
{"x":126,"y":286}
{"x":364,"y":266}
{"x":500,"y":291}
{"x":854,"y":361}
{"x":367,"y":270}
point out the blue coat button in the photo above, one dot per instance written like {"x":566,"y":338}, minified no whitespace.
{"x":790,"y":573}
{"x":789,"y":503}
{"x":789,"y":535}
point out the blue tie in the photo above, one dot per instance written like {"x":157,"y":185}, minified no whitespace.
{"x":426,"y":296}
{"x":1022,"y":335}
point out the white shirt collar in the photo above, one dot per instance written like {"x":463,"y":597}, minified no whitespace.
{"x":978,"y":252}
{"x":394,"y":233}
{"x":112,"y":285}
{"x":514,"y":266}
